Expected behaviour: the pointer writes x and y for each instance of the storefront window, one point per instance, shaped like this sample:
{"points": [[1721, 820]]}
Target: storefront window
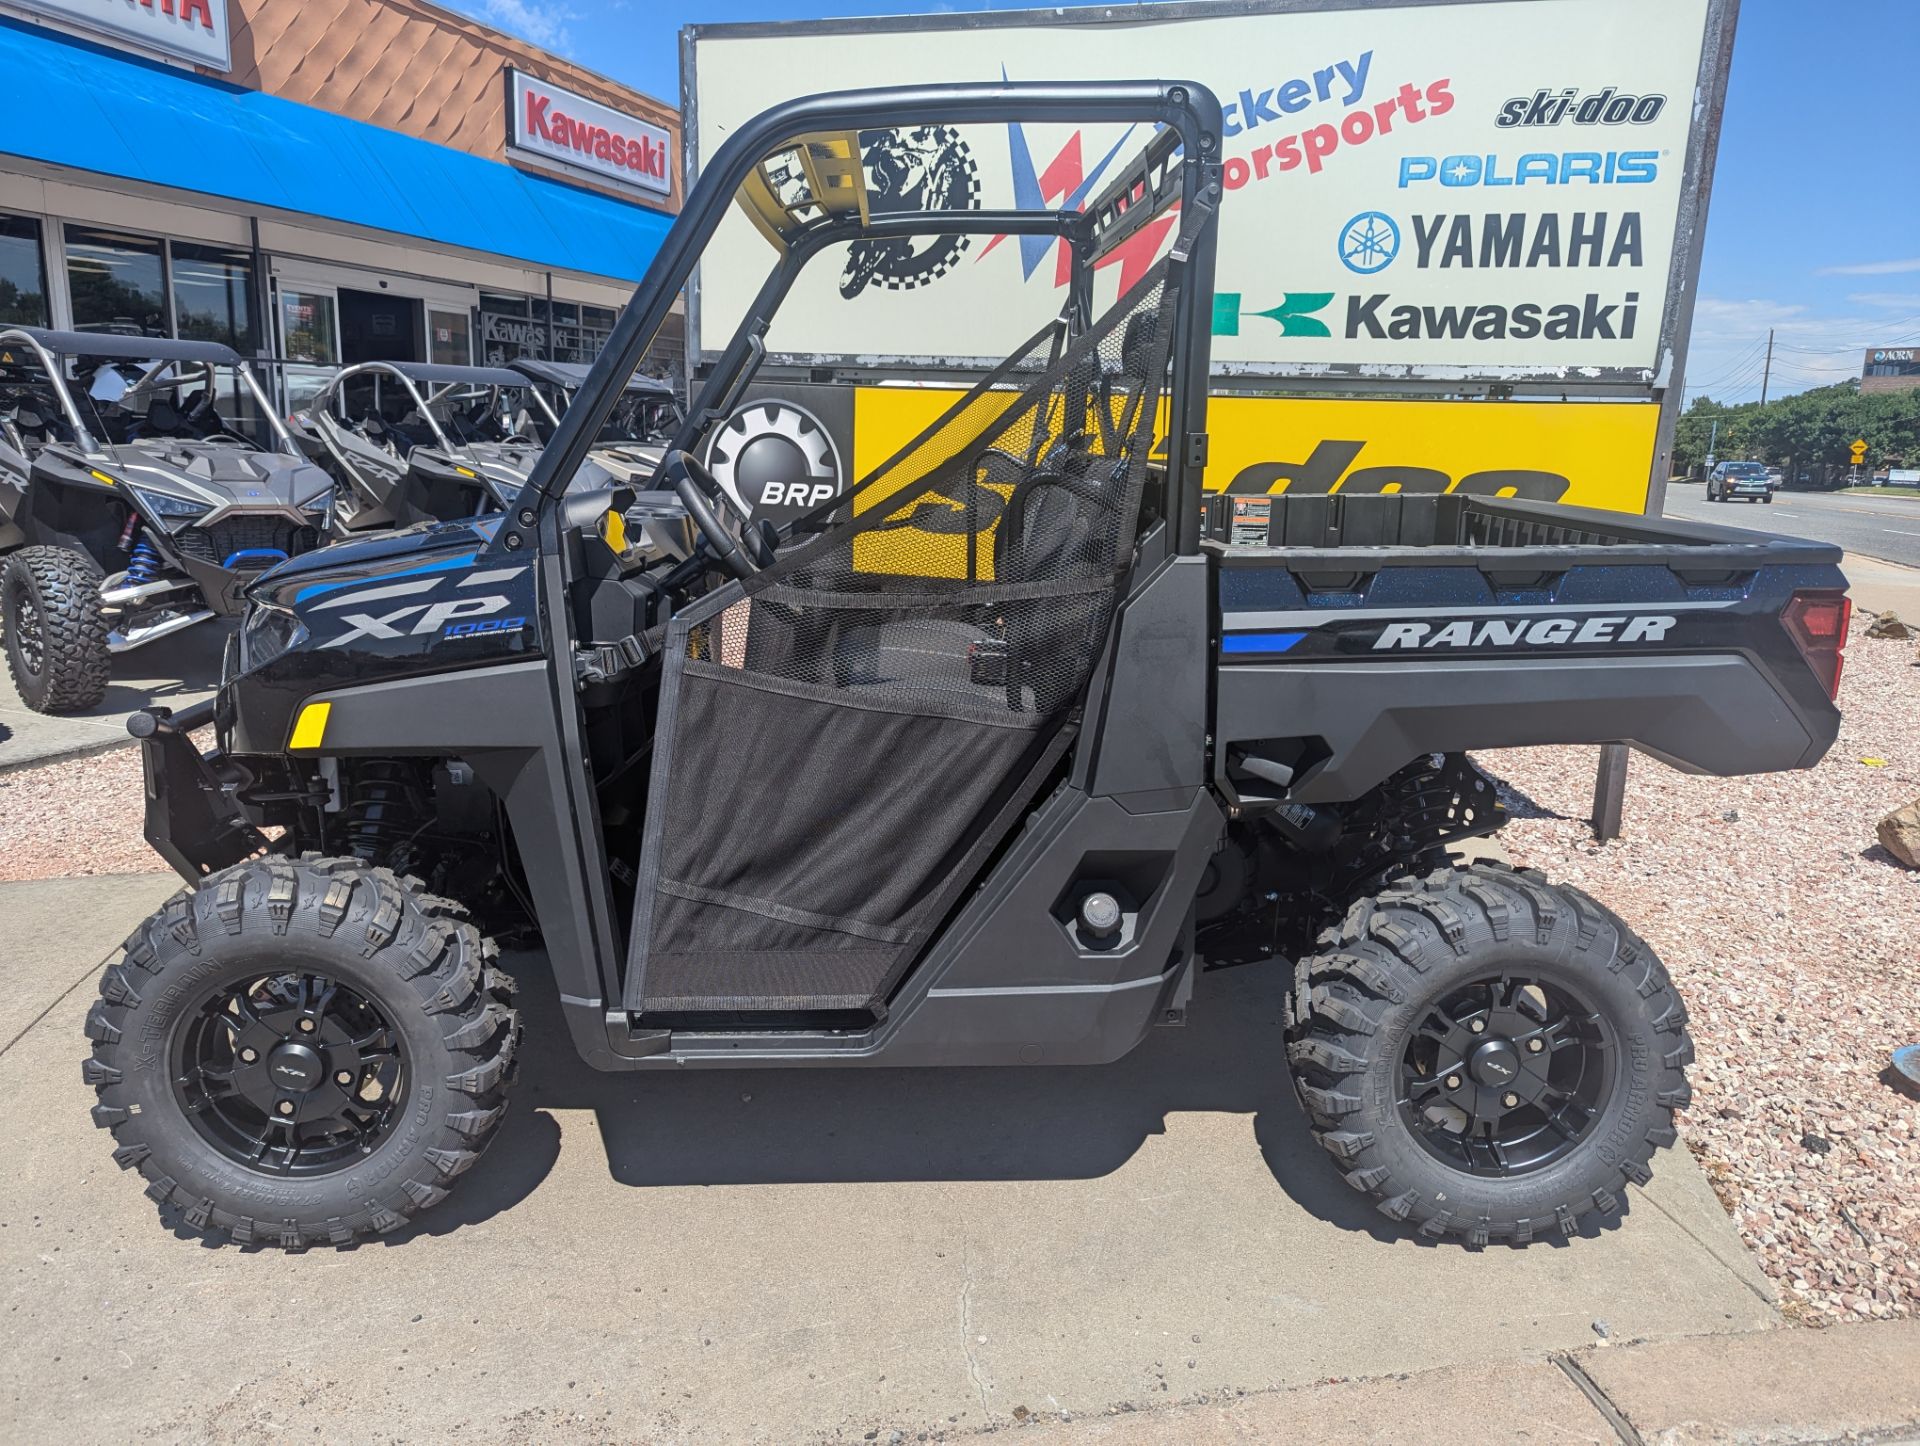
{"points": [[213, 296], [23, 273], [309, 328], [117, 282]]}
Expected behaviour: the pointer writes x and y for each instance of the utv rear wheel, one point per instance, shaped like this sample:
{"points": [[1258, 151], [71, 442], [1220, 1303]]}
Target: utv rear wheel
{"points": [[56, 636], [300, 1053], [1487, 1055]]}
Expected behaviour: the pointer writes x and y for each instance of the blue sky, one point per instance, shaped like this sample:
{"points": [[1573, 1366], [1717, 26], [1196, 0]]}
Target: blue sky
{"points": [[1814, 228]]}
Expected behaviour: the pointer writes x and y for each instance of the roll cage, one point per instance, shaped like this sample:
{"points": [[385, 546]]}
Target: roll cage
{"points": [[169, 359], [444, 386], [1179, 166]]}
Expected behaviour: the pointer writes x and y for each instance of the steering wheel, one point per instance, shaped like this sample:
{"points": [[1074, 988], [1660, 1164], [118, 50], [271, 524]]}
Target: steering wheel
{"points": [[741, 550]]}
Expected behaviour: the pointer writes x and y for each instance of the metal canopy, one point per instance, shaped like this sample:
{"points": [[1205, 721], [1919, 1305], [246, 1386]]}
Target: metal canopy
{"points": [[131, 348], [571, 374]]}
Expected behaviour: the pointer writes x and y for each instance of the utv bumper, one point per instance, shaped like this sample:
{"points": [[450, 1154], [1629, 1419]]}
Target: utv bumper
{"points": [[193, 821]]}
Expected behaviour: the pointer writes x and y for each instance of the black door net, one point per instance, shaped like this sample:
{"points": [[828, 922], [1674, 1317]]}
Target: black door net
{"points": [[839, 733]]}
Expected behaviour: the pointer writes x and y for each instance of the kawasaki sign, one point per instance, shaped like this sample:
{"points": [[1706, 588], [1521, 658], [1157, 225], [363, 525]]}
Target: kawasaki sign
{"points": [[548, 123]]}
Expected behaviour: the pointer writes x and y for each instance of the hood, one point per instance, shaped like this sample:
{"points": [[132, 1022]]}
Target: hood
{"points": [[225, 477], [377, 553]]}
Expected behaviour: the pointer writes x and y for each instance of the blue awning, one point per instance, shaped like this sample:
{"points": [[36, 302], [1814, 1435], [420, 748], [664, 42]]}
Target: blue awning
{"points": [[69, 103]]}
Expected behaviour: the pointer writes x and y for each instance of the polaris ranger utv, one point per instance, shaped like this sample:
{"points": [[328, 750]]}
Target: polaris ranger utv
{"points": [[461, 447], [140, 504], [985, 764]]}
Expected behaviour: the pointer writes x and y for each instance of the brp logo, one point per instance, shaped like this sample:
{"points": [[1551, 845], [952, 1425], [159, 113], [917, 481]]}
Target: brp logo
{"points": [[1369, 242], [777, 460]]}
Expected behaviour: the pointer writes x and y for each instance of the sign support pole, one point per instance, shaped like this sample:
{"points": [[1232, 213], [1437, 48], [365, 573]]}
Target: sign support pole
{"points": [[1610, 792]]}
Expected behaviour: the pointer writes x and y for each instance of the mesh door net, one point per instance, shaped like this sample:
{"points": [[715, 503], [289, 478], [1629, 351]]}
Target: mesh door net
{"points": [[837, 732]]}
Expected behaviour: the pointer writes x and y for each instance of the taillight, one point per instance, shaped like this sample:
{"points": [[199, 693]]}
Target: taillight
{"points": [[1817, 623]]}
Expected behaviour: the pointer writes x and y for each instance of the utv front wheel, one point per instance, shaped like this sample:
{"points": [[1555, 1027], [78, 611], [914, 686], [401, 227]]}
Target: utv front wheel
{"points": [[299, 1053], [1488, 1055], [56, 636]]}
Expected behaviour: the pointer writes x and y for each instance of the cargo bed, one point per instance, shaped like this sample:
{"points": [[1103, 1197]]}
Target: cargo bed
{"points": [[1357, 632]]}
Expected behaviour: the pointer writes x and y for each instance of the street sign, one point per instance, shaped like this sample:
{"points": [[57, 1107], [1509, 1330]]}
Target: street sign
{"points": [[1859, 452]]}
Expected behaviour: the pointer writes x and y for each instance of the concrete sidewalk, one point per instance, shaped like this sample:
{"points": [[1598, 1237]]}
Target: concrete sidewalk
{"points": [[1852, 1383], [784, 1256], [1882, 587], [177, 671]]}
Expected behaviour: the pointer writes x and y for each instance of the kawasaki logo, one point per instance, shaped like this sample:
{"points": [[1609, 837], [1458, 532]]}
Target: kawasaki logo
{"points": [[1372, 318], [1533, 632], [1590, 321], [1294, 313]]}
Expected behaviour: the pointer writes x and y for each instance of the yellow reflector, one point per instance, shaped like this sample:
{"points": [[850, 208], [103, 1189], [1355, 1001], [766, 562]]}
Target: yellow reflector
{"points": [[100, 476], [466, 471], [312, 726], [613, 530]]}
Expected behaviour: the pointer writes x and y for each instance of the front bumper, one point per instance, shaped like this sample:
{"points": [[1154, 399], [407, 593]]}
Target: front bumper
{"points": [[193, 820]]}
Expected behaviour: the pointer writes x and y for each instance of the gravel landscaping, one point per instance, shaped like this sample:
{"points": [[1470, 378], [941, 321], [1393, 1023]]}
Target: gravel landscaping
{"points": [[1794, 937]]}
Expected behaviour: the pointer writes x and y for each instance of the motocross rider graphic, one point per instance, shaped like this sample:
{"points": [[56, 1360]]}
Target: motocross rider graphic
{"points": [[928, 168]]}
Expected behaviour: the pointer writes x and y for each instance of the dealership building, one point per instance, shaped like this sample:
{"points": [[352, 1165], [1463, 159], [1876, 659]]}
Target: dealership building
{"points": [[1890, 369], [323, 181]]}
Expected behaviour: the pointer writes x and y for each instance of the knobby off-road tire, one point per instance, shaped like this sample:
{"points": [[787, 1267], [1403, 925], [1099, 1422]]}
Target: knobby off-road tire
{"points": [[233, 947], [1363, 1023], [56, 635]]}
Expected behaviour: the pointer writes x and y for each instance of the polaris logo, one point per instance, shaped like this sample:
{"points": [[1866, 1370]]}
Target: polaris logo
{"points": [[1530, 632]]}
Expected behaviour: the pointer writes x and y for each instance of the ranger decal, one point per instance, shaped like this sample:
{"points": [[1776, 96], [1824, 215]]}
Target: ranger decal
{"points": [[1534, 632]]}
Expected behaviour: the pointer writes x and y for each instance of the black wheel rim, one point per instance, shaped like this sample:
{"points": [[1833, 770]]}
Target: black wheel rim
{"points": [[26, 630], [1506, 1075], [291, 1074]]}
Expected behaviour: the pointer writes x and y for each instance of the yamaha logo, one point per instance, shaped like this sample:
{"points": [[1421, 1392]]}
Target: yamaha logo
{"points": [[777, 460]]}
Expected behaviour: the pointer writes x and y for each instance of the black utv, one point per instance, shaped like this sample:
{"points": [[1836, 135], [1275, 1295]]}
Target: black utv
{"points": [[412, 442], [988, 761], [144, 482]]}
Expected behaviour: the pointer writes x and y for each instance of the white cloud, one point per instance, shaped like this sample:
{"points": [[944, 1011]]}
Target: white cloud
{"points": [[1872, 268], [1727, 356], [544, 25], [1891, 300]]}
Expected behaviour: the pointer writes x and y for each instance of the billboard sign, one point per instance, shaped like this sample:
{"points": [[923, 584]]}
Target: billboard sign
{"points": [[1479, 190]]}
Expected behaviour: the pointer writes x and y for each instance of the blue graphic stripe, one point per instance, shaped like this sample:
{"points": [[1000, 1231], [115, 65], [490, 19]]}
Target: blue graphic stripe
{"points": [[444, 565], [1259, 642]]}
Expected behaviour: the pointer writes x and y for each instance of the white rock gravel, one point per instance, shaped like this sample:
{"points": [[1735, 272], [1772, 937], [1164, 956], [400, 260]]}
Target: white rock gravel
{"points": [[80, 816], [1795, 940]]}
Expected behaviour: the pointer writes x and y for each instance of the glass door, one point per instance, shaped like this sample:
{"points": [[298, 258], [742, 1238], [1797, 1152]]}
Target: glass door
{"points": [[449, 337]]}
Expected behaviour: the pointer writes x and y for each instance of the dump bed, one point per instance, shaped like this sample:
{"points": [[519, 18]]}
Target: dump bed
{"points": [[1356, 633]]}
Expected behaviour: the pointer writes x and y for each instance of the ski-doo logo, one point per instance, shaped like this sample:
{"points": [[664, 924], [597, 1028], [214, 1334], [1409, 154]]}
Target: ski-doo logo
{"points": [[928, 168], [1607, 107], [1527, 632]]}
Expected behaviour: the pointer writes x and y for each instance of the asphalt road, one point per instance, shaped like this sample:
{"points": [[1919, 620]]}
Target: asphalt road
{"points": [[1887, 528]]}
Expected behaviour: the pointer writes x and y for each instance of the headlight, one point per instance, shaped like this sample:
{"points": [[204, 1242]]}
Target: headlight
{"points": [[162, 504], [267, 633]]}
